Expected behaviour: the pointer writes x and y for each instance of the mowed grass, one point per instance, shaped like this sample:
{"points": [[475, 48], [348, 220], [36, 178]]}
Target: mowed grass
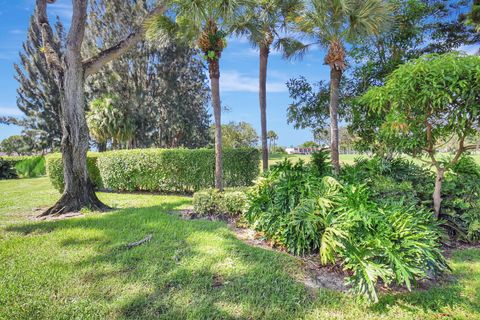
{"points": [[79, 268]]}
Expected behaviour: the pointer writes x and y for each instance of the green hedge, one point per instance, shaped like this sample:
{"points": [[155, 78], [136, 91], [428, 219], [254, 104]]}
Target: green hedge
{"points": [[211, 201], [165, 170], [54, 168], [26, 166]]}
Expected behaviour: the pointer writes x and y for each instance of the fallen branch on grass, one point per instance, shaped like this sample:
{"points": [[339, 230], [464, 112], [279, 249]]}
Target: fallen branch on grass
{"points": [[139, 242]]}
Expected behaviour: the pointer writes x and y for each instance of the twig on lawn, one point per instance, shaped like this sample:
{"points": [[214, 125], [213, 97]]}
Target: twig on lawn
{"points": [[139, 242]]}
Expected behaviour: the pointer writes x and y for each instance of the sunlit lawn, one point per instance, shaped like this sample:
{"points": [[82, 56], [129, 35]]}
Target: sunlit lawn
{"points": [[80, 269]]}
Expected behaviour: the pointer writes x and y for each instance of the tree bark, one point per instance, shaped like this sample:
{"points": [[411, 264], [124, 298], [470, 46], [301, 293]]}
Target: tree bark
{"points": [[70, 72], [335, 77], [214, 70], [262, 94], [78, 192], [437, 194]]}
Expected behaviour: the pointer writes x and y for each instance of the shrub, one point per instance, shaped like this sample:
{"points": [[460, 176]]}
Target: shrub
{"points": [[6, 170], [392, 179], [31, 167], [373, 241], [54, 168], [461, 200], [175, 170], [211, 201], [165, 170]]}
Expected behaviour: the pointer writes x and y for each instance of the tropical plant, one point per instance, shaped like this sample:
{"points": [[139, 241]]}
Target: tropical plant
{"points": [[461, 204], [265, 24], [305, 212], [332, 24], [272, 137], [108, 122], [205, 24], [423, 108]]}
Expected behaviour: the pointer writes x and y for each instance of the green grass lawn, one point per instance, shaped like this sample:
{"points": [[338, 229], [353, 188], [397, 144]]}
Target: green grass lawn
{"points": [[79, 268]]}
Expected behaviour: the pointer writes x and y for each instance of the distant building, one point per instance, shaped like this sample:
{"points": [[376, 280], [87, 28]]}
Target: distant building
{"points": [[302, 150]]}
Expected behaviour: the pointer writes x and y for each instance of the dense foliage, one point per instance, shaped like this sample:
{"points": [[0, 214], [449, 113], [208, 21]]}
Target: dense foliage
{"points": [[166, 170], [31, 167], [400, 181], [166, 96], [230, 202], [237, 135], [302, 209], [461, 200], [23, 166], [420, 108], [54, 168], [6, 170]]}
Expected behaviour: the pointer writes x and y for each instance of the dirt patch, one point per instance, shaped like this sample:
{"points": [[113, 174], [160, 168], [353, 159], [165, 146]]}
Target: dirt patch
{"points": [[58, 217]]}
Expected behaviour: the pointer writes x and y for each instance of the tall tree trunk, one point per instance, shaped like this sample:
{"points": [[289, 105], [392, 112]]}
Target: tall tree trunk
{"points": [[262, 94], [437, 194], [214, 70], [335, 77], [78, 192]]}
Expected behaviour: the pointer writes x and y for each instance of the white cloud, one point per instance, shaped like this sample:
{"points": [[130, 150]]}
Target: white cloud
{"points": [[470, 49], [233, 81], [9, 111]]}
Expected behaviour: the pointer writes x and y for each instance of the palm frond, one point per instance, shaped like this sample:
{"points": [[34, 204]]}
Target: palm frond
{"points": [[291, 48]]}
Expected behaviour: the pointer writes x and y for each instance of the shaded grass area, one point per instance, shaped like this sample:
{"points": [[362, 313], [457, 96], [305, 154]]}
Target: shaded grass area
{"points": [[80, 268]]}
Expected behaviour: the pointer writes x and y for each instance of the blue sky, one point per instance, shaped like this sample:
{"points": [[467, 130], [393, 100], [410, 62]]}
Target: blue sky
{"points": [[239, 74]]}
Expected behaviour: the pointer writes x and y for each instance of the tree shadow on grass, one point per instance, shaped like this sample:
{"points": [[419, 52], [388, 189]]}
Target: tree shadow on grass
{"points": [[198, 269]]}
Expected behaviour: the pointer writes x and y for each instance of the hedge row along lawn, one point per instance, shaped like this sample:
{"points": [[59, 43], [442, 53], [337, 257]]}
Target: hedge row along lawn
{"points": [[165, 170], [79, 268]]}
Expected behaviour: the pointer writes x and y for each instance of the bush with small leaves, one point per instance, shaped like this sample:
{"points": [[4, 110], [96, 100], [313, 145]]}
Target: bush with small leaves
{"points": [[230, 202]]}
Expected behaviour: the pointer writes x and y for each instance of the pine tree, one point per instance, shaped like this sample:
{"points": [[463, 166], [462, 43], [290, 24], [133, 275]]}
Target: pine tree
{"points": [[38, 94], [161, 86]]}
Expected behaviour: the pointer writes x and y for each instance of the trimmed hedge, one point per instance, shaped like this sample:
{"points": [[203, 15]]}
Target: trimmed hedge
{"points": [[54, 168], [211, 201], [164, 170]]}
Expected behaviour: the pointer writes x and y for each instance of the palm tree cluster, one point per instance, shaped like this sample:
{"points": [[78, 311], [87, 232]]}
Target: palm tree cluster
{"points": [[273, 24]]}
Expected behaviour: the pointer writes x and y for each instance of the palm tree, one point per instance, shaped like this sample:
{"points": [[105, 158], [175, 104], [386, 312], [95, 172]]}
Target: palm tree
{"points": [[264, 24], [272, 136], [204, 22], [332, 23], [106, 121]]}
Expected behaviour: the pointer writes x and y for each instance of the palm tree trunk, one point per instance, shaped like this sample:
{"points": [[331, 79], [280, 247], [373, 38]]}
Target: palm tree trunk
{"points": [[262, 94], [214, 70], [335, 77]]}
